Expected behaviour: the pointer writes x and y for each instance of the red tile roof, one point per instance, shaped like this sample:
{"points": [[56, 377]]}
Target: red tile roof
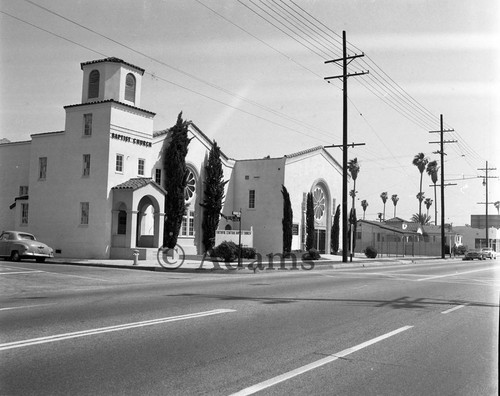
{"points": [[112, 60], [136, 183]]}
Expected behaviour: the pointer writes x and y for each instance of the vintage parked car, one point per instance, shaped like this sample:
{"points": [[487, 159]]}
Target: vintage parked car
{"points": [[474, 254], [17, 245], [489, 253]]}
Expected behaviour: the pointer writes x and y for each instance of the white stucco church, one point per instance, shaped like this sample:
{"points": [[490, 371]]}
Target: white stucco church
{"points": [[94, 190]]}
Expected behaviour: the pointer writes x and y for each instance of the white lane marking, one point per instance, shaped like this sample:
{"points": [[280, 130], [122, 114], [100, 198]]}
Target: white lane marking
{"points": [[23, 307], [308, 367], [20, 272], [454, 309], [455, 274], [50, 273], [77, 276], [84, 333]]}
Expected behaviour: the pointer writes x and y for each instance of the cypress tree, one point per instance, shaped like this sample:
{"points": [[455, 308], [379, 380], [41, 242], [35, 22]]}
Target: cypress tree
{"points": [[310, 222], [213, 196], [334, 241], [176, 172], [287, 221]]}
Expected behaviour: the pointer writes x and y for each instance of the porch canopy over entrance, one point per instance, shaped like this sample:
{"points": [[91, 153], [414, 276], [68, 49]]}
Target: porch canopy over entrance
{"points": [[138, 216]]}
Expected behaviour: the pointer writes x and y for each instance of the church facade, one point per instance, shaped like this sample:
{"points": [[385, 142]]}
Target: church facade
{"points": [[95, 189]]}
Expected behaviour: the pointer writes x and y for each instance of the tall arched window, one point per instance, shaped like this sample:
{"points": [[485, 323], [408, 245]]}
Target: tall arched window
{"points": [[94, 84], [319, 203], [130, 88], [190, 189]]}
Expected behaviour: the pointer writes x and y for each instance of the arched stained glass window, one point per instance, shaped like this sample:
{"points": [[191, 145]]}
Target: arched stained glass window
{"points": [[130, 88], [94, 84]]}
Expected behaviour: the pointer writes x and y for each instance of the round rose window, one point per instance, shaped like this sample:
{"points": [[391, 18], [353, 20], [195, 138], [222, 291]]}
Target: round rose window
{"points": [[319, 203], [190, 186]]}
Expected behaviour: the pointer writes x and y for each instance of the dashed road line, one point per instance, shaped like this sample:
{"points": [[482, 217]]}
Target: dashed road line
{"points": [[454, 309], [311, 366], [20, 272], [454, 274], [23, 307]]}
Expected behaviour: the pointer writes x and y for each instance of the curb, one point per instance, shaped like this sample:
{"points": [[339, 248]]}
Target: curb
{"points": [[318, 265]]}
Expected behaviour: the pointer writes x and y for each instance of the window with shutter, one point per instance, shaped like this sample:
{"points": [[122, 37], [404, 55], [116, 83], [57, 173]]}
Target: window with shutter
{"points": [[94, 84]]}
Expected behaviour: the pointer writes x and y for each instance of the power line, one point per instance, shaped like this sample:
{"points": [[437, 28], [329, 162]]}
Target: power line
{"points": [[393, 87], [171, 82]]}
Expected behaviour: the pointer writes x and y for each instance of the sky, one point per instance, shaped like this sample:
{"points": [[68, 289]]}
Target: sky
{"points": [[250, 74]]}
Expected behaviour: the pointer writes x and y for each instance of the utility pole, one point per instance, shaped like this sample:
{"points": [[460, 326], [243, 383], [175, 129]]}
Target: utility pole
{"points": [[485, 183], [344, 146], [441, 151]]}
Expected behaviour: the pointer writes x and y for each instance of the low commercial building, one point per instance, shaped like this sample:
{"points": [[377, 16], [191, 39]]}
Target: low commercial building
{"points": [[397, 237]]}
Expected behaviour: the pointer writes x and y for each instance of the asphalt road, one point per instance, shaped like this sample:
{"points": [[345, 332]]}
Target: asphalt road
{"points": [[416, 329]]}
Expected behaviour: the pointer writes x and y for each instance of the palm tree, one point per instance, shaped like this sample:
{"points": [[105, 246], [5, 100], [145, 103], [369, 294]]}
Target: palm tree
{"points": [[497, 206], [395, 200], [384, 200], [421, 219], [420, 197], [432, 171], [420, 162], [353, 167], [364, 205], [428, 204]]}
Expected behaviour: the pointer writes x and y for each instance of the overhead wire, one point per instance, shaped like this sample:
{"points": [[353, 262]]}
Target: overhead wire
{"points": [[373, 65], [190, 75], [381, 83], [166, 80]]}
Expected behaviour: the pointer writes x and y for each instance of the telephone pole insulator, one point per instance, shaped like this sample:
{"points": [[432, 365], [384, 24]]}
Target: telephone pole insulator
{"points": [[442, 153]]}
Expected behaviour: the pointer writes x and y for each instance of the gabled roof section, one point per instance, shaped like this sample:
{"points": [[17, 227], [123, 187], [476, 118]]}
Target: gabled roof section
{"points": [[319, 150], [136, 183], [307, 151], [112, 60], [197, 132]]}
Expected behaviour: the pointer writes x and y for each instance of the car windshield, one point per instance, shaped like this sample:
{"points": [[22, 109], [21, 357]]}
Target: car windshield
{"points": [[26, 236]]}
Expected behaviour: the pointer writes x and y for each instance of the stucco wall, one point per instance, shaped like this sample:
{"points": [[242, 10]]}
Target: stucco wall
{"points": [[302, 174], [265, 176]]}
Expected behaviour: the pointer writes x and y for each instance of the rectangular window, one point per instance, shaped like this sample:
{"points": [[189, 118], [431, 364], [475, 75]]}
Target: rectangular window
{"points": [[42, 168], [191, 223], [251, 199], [86, 165], [140, 167], [158, 176], [84, 213], [23, 190], [119, 162], [87, 127], [24, 213], [187, 226]]}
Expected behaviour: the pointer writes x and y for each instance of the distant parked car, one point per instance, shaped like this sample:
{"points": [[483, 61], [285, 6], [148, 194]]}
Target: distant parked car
{"points": [[17, 245], [474, 254], [489, 253]]}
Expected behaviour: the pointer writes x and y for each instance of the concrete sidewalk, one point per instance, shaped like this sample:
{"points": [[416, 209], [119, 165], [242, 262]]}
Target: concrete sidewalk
{"points": [[196, 264]]}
